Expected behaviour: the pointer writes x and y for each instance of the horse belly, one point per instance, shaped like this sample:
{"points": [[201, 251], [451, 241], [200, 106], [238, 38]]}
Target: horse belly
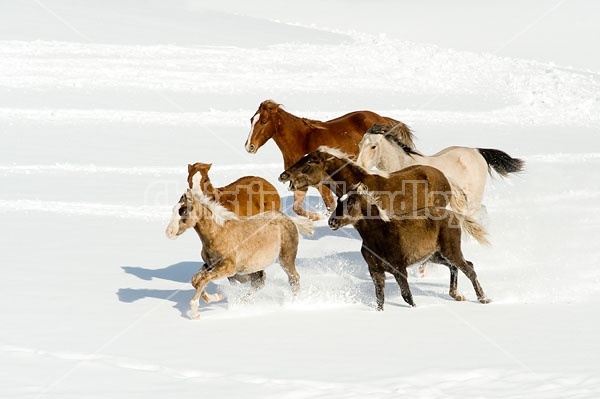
{"points": [[262, 255]]}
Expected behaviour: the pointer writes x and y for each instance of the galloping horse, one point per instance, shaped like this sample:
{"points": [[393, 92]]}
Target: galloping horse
{"points": [[392, 244], [247, 196], [467, 167], [402, 191], [231, 245], [297, 136]]}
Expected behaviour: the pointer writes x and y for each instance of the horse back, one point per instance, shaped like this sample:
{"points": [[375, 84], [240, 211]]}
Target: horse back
{"points": [[249, 195], [415, 187], [344, 132]]}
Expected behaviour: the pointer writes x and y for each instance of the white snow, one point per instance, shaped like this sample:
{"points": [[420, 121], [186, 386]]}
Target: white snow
{"points": [[103, 105]]}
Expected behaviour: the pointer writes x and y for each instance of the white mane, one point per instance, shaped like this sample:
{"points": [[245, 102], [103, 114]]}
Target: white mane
{"points": [[219, 213], [372, 199], [345, 157]]}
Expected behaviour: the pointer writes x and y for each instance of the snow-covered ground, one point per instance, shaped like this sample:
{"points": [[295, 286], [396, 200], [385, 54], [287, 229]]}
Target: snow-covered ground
{"points": [[103, 105]]}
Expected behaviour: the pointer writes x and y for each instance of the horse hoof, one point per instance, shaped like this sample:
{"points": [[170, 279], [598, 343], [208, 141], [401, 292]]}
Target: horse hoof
{"points": [[315, 217], [485, 300], [195, 316], [459, 297]]}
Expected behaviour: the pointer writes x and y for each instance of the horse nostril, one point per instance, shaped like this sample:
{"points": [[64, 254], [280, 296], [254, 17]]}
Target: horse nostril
{"points": [[284, 176], [251, 147]]}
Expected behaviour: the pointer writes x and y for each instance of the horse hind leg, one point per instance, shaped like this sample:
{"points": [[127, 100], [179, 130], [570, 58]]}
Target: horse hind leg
{"points": [[453, 292], [454, 256], [287, 260], [257, 282]]}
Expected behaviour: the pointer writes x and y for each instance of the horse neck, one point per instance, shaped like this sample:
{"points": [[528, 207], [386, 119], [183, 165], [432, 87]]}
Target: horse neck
{"points": [[344, 172], [393, 158], [206, 228], [289, 137], [207, 187]]}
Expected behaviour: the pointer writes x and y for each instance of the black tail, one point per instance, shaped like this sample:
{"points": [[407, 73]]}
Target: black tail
{"points": [[501, 161]]}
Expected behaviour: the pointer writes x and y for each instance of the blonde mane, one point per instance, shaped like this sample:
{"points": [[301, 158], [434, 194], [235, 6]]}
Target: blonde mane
{"points": [[219, 213], [345, 157], [372, 199]]}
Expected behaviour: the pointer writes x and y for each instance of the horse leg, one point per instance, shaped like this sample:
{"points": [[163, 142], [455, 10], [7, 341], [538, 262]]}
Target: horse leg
{"points": [[452, 253], [299, 197], [437, 258], [257, 281], [239, 278], [377, 275], [422, 267], [199, 282], [401, 279], [287, 260], [327, 196]]}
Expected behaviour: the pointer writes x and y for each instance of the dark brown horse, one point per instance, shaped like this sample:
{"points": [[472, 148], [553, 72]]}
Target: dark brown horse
{"points": [[297, 136], [411, 188], [392, 244]]}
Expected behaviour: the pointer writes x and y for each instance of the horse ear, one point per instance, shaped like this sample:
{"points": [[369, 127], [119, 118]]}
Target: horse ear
{"points": [[190, 167], [208, 165]]}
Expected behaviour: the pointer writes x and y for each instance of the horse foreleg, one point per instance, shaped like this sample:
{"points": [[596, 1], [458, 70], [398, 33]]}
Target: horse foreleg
{"points": [[327, 196], [401, 279], [299, 197], [199, 282]]}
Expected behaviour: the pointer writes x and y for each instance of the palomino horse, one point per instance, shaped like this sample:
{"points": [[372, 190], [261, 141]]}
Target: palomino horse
{"points": [[392, 244], [296, 137], [402, 191], [247, 196], [465, 166], [233, 246]]}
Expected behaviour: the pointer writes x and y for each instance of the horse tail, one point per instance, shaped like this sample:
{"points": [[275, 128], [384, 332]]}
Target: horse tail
{"points": [[502, 163], [304, 225], [473, 228], [458, 200]]}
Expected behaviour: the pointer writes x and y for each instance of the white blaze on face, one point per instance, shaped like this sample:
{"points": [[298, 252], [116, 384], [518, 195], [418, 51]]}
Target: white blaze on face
{"points": [[367, 155], [196, 183], [173, 226], [255, 119]]}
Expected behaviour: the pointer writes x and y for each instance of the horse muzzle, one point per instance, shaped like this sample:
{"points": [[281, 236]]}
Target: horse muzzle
{"points": [[333, 224], [284, 177]]}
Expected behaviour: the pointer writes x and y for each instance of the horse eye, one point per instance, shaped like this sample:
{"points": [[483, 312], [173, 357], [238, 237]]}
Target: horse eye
{"points": [[373, 147], [264, 121]]}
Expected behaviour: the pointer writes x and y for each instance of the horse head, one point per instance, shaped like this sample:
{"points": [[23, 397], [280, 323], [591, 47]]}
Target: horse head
{"points": [[183, 215], [356, 204], [369, 150], [263, 125], [308, 171], [198, 175]]}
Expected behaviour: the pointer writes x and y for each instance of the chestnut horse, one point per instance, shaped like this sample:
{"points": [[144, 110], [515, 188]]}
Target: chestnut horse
{"points": [[247, 196], [297, 136], [392, 244], [231, 245]]}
